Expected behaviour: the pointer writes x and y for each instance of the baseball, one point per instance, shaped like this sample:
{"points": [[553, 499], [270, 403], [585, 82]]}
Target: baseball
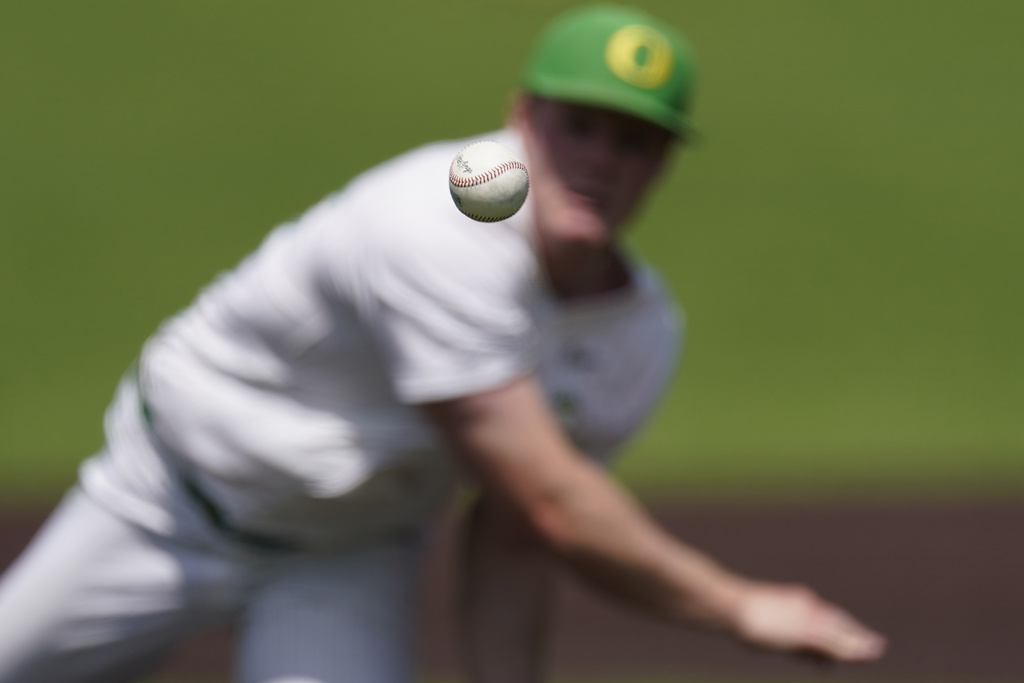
{"points": [[488, 182]]}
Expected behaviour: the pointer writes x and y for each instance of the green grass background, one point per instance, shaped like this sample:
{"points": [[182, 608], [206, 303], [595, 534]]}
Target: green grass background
{"points": [[846, 238]]}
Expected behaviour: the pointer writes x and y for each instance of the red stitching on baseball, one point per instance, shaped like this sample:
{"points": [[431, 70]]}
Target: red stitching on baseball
{"points": [[479, 178], [487, 219]]}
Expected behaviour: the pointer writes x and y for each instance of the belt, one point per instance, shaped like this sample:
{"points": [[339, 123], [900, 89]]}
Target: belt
{"points": [[215, 515], [209, 508]]}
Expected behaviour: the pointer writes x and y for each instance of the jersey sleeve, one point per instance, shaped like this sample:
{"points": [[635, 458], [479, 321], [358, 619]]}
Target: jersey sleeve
{"points": [[452, 309]]}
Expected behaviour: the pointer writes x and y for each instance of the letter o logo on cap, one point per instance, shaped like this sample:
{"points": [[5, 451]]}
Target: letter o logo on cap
{"points": [[640, 56]]}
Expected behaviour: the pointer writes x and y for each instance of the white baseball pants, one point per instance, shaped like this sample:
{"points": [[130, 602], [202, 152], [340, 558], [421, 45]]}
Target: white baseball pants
{"points": [[97, 599]]}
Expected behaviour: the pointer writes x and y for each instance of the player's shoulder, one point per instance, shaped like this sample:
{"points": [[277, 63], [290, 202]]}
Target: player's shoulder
{"points": [[420, 172], [411, 187], [399, 217], [646, 294], [407, 202], [656, 302], [643, 323], [650, 286], [644, 313]]}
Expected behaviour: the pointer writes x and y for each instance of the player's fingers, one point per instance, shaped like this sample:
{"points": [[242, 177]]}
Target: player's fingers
{"points": [[794, 618], [844, 638]]}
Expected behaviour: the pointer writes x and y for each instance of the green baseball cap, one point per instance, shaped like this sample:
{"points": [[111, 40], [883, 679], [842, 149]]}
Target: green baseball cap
{"points": [[619, 58]]}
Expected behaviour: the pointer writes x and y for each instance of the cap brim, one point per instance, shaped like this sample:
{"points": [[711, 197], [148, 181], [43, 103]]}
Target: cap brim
{"points": [[615, 99]]}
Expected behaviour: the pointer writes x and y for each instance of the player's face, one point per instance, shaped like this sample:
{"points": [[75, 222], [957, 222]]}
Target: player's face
{"points": [[594, 165]]}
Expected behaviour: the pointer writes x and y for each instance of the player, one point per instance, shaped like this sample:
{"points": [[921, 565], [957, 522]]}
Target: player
{"points": [[273, 457]]}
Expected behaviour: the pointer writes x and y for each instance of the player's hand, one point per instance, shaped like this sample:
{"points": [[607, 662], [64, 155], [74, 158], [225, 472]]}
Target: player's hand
{"points": [[792, 618]]}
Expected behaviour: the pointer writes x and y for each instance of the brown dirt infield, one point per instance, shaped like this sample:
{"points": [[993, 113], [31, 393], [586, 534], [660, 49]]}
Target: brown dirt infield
{"points": [[944, 582]]}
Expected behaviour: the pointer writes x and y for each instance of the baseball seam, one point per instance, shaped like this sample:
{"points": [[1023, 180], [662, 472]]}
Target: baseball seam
{"points": [[491, 174], [486, 219]]}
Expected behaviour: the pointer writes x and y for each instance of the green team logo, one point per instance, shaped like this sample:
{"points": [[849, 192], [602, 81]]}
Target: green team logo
{"points": [[640, 56]]}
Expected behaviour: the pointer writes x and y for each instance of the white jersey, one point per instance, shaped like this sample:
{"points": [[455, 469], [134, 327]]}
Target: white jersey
{"points": [[288, 388]]}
